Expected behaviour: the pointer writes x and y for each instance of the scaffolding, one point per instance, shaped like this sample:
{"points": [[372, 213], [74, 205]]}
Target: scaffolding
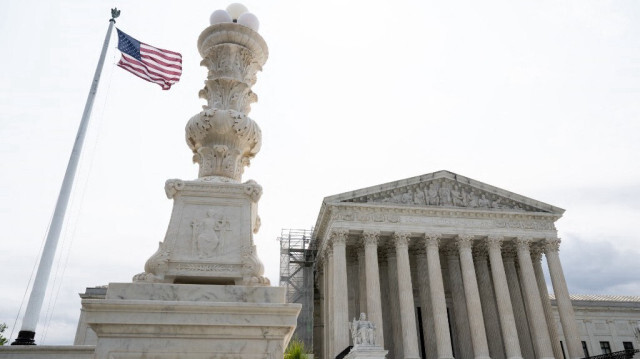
{"points": [[297, 256]]}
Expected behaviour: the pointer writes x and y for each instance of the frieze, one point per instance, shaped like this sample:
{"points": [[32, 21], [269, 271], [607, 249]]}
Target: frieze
{"points": [[538, 225]]}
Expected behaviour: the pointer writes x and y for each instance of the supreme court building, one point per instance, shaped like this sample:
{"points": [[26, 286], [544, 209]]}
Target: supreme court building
{"points": [[444, 266]]}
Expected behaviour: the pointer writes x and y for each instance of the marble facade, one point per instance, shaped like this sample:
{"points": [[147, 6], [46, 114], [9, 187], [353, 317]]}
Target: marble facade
{"points": [[445, 266]]}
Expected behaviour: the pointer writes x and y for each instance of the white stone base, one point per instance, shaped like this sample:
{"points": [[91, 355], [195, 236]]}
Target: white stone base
{"points": [[367, 353], [47, 351], [170, 321]]}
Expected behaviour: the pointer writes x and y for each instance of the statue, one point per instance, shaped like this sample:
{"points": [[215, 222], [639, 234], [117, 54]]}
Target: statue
{"points": [[363, 332]]}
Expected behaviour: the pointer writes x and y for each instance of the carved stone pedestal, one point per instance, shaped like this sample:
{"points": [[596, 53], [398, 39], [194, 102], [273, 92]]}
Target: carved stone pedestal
{"points": [[210, 235], [171, 321]]}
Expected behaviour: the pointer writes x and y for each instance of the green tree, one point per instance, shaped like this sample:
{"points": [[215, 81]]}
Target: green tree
{"points": [[295, 350], [3, 340]]}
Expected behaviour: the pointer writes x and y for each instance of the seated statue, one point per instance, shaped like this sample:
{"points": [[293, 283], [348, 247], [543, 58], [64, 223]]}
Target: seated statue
{"points": [[363, 332]]}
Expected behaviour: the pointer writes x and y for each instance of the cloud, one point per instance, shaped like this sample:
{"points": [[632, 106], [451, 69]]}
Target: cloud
{"points": [[600, 267]]}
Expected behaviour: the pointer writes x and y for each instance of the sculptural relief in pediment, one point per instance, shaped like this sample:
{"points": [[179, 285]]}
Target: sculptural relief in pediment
{"points": [[445, 193]]}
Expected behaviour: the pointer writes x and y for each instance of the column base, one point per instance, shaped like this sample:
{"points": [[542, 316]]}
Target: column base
{"points": [[25, 337], [486, 357]]}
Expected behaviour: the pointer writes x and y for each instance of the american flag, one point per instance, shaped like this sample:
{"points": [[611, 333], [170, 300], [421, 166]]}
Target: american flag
{"points": [[159, 66]]}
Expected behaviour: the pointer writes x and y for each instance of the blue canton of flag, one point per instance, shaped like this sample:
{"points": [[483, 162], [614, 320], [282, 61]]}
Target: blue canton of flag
{"points": [[152, 64]]}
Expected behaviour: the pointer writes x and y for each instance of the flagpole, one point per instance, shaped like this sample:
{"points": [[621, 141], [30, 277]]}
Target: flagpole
{"points": [[27, 333]]}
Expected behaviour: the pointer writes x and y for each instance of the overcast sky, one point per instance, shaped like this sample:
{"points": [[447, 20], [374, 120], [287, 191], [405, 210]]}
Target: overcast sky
{"points": [[541, 98]]}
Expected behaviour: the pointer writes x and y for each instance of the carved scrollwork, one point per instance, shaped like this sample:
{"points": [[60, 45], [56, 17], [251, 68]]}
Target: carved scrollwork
{"points": [[552, 245], [465, 242], [401, 239], [339, 236], [253, 190], [223, 142], [523, 244], [222, 137], [494, 242], [172, 186], [156, 266], [432, 240], [370, 238]]}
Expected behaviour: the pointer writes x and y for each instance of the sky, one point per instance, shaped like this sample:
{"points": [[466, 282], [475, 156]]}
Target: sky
{"points": [[541, 98]]}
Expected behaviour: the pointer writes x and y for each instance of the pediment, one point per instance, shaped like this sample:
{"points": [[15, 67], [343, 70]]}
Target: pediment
{"points": [[444, 189]]}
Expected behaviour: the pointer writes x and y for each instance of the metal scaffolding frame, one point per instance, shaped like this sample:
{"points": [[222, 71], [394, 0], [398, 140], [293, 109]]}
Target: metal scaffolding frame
{"points": [[297, 256]]}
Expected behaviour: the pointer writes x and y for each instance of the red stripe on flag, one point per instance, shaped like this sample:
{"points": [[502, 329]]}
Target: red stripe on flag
{"points": [[139, 69]]}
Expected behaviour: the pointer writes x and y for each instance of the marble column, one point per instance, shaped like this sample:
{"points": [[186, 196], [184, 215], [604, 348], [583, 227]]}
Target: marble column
{"points": [[472, 296], [519, 312], [320, 333], [386, 306], [330, 302], [340, 307], [353, 280], [536, 256], [488, 301], [394, 301], [374, 307], [405, 291], [362, 284], [460, 315], [537, 321], [438, 302], [505, 309], [428, 324], [565, 308]]}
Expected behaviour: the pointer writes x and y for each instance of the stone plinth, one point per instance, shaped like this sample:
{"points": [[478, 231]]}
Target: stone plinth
{"points": [[158, 320], [47, 352], [367, 353], [210, 235]]}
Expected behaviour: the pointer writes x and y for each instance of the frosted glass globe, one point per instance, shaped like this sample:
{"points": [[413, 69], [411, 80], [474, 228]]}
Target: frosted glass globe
{"points": [[236, 9], [249, 20], [219, 16]]}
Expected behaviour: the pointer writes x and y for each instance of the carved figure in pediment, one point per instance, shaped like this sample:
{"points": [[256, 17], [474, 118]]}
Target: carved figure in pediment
{"points": [[483, 202], [432, 195], [206, 234], [445, 194], [458, 197], [497, 204], [472, 199], [418, 197], [406, 198]]}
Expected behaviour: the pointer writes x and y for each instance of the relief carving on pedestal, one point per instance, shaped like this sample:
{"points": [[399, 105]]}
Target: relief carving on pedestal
{"points": [[208, 235]]}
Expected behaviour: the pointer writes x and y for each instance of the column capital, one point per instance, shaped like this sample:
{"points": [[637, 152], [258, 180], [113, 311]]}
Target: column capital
{"points": [[370, 238], [536, 252], [464, 242], [401, 239], [339, 236], [523, 243], [552, 245], [494, 242], [432, 240]]}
